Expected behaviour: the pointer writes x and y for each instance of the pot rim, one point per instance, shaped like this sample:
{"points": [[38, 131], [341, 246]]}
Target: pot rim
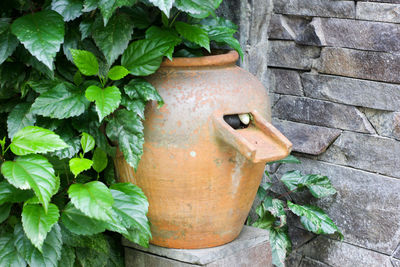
{"points": [[228, 58]]}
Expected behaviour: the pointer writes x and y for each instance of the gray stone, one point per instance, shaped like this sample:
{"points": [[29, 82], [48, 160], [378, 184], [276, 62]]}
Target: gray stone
{"points": [[307, 262], [365, 208], [361, 151], [320, 8], [293, 260], [309, 139], [321, 113], [396, 254], [299, 237], [289, 55], [385, 12], [341, 254], [286, 27], [364, 35], [284, 82], [369, 65], [350, 91], [385, 123], [249, 239], [274, 98], [395, 263]]}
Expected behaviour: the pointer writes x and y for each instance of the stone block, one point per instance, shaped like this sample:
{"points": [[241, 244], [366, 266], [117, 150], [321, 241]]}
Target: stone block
{"points": [[396, 263], [366, 209], [385, 123], [350, 91], [361, 151], [307, 262], [364, 35], [309, 139], [287, 54], [250, 249], [378, 66], [312, 8], [283, 81], [385, 12], [293, 260], [396, 254], [286, 27], [321, 113], [341, 254]]}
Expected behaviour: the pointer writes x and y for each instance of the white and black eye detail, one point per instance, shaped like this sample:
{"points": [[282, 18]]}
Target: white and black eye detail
{"points": [[238, 121]]}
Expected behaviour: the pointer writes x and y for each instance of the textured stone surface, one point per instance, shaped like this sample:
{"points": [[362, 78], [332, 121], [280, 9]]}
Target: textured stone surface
{"points": [[396, 254], [370, 65], [385, 12], [323, 8], [293, 260], [350, 91], [322, 113], [364, 35], [385, 123], [309, 139], [286, 27], [289, 55], [395, 263], [299, 237], [341, 254], [361, 151], [365, 208], [307, 262], [285, 82], [250, 237]]}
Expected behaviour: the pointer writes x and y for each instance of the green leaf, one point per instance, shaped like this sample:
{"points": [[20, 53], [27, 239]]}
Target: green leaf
{"points": [[136, 106], [69, 9], [107, 100], [265, 220], [314, 219], [32, 172], [198, 8], [96, 242], [94, 199], [288, 159], [19, 118], [85, 61], [51, 247], [277, 208], [262, 190], [87, 142], [9, 256], [164, 5], [193, 34], [292, 179], [117, 73], [86, 28], [224, 35], [68, 135], [5, 212], [319, 186], [114, 38], [78, 79], [33, 139], [91, 258], [218, 22], [78, 165], [99, 159], [10, 194], [78, 223], [67, 257], [63, 101], [107, 7], [280, 245], [90, 5], [42, 33], [144, 57], [144, 90], [44, 85], [8, 43], [166, 34], [37, 222], [127, 129]]}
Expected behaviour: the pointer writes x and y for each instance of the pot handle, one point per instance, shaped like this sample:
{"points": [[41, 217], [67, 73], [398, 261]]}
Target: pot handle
{"points": [[259, 142]]}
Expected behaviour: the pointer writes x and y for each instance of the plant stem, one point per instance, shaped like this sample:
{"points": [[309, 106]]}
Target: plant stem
{"points": [[173, 20], [287, 193]]}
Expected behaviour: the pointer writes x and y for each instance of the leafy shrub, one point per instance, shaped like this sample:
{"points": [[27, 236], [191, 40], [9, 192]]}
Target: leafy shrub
{"points": [[70, 90]]}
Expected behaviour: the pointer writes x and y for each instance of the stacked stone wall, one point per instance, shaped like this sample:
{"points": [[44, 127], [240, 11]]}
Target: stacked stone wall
{"points": [[334, 79]]}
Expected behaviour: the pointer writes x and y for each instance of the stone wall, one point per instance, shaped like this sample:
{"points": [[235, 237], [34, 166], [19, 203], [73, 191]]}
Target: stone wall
{"points": [[334, 80]]}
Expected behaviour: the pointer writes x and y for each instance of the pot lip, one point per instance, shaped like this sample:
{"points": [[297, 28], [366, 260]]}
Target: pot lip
{"points": [[228, 58]]}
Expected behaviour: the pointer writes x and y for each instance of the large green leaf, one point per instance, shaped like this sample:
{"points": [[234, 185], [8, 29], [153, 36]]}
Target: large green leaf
{"points": [[265, 219], [96, 242], [37, 222], [43, 85], [288, 159], [114, 38], [144, 57], [90, 5], [87, 142], [166, 34], [224, 35], [198, 8], [280, 245], [67, 257], [137, 106], [319, 185], [94, 199], [117, 73], [91, 258], [42, 33], [8, 43], [107, 7], [68, 135], [11, 194], [69, 9], [292, 179], [80, 224], [127, 129], [19, 118], [32, 172], [193, 33], [5, 211], [99, 159], [51, 247], [277, 208], [85, 61], [78, 165], [107, 100], [33, 139], [314, 219], [144, 90], [164, 5], [63, 101], [9, 256]]}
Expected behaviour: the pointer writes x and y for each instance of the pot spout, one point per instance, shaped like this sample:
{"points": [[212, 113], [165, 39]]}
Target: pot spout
{"points": [[259, 142]]}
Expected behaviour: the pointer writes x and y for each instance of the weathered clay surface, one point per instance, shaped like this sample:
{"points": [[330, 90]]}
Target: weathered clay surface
{"points": [[361, 151], [385, 12], [285, 82], [370, 65], [322, 113], [309, 139], [353, 92]]}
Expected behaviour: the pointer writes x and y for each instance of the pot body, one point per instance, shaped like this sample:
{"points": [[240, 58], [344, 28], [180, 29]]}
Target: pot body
{"points": [[200, 189]]}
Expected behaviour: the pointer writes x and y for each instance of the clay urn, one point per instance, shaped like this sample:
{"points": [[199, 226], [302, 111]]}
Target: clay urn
{"points": [[200, 174]]}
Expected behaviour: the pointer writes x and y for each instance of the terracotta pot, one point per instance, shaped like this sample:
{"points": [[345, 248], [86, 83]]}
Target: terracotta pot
{"points": [[199, 174]]}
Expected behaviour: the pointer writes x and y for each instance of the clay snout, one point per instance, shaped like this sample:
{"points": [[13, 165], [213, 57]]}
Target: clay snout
{"points": [[259, 141]]}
